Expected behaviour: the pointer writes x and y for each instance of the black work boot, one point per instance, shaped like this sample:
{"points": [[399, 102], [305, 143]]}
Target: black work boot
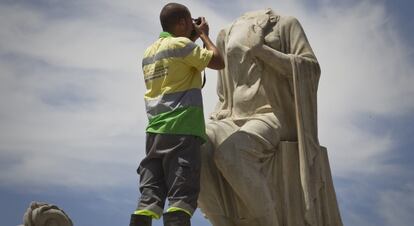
{"points": [[140, 220], [176, 218]]}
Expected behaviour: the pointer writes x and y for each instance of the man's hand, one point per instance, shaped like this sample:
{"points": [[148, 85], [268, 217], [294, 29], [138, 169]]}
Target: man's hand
{"points": [[200, 27], [203, 26]]}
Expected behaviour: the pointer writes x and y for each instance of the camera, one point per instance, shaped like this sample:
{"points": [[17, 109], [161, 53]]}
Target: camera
{"points": [[197, 21]]}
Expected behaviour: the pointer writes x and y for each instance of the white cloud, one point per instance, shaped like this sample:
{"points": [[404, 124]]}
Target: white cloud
{"points": [[71, 93], [365, 73], [396, 206], [84, 42], [68, 144]]}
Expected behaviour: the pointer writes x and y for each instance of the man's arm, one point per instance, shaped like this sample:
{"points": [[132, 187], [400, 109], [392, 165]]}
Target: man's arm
{"points": [[216, 62]]}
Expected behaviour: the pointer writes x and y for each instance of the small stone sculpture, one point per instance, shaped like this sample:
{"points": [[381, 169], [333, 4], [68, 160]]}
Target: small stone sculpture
{"points": [[43, 214]]}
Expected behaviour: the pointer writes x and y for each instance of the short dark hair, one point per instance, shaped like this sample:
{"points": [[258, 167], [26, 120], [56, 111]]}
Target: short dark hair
{"points": [[171, 14]]}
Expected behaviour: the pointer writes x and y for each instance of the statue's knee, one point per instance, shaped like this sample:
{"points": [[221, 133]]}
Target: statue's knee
{"points": [[227, 153]]}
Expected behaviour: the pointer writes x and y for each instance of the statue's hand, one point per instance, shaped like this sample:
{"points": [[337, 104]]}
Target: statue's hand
{"points": [[253, 43], [254, 40]]}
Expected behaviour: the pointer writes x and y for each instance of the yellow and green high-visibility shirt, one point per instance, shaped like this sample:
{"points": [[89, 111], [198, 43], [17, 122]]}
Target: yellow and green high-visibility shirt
{"points": [[172, 72]]}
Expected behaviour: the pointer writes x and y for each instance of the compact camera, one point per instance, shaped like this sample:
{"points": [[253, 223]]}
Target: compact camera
{"points": [[197, 21]]}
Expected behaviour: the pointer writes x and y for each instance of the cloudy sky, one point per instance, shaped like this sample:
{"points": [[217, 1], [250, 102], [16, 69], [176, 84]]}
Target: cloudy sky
{"points": [[72, 115]]}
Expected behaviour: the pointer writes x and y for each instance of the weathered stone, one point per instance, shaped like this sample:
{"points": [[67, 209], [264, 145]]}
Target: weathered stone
{"points": [[263, 165], [43, 214]]}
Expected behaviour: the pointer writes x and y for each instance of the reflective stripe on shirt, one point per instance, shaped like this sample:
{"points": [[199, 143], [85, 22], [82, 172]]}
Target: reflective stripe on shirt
{"points": [[173, 101], [181, 52]]}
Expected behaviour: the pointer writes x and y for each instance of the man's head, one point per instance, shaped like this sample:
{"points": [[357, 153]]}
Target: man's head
{"points": [[176, 19]]}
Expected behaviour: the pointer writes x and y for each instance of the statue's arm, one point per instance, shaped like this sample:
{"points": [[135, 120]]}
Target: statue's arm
{"points": [[222, 98], [294, 38], [277, 60]]}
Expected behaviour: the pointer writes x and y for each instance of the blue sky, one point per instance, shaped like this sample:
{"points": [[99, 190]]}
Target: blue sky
{"points": [[72, 114]]}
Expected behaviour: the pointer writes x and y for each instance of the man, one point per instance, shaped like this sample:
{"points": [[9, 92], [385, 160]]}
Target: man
{"points": [[172, 71]]}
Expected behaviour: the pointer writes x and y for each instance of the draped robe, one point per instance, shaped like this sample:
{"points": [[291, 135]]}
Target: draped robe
{"points": [[283, 104]]}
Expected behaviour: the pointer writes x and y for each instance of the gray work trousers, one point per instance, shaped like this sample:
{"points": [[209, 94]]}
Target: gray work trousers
{"points": [[170, 170]]}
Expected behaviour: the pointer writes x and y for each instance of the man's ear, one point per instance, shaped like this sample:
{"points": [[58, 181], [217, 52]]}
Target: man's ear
{"points": [[182, 22]]}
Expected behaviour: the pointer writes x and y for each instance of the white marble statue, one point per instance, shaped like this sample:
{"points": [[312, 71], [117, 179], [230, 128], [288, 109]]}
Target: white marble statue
{"points": [[263, 165]]}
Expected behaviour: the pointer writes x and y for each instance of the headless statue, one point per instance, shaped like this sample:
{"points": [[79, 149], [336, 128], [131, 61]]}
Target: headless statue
{"points": [[267, 96]]}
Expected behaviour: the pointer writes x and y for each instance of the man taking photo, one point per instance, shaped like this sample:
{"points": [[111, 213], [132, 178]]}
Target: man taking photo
{"points": [[172, 68]]}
